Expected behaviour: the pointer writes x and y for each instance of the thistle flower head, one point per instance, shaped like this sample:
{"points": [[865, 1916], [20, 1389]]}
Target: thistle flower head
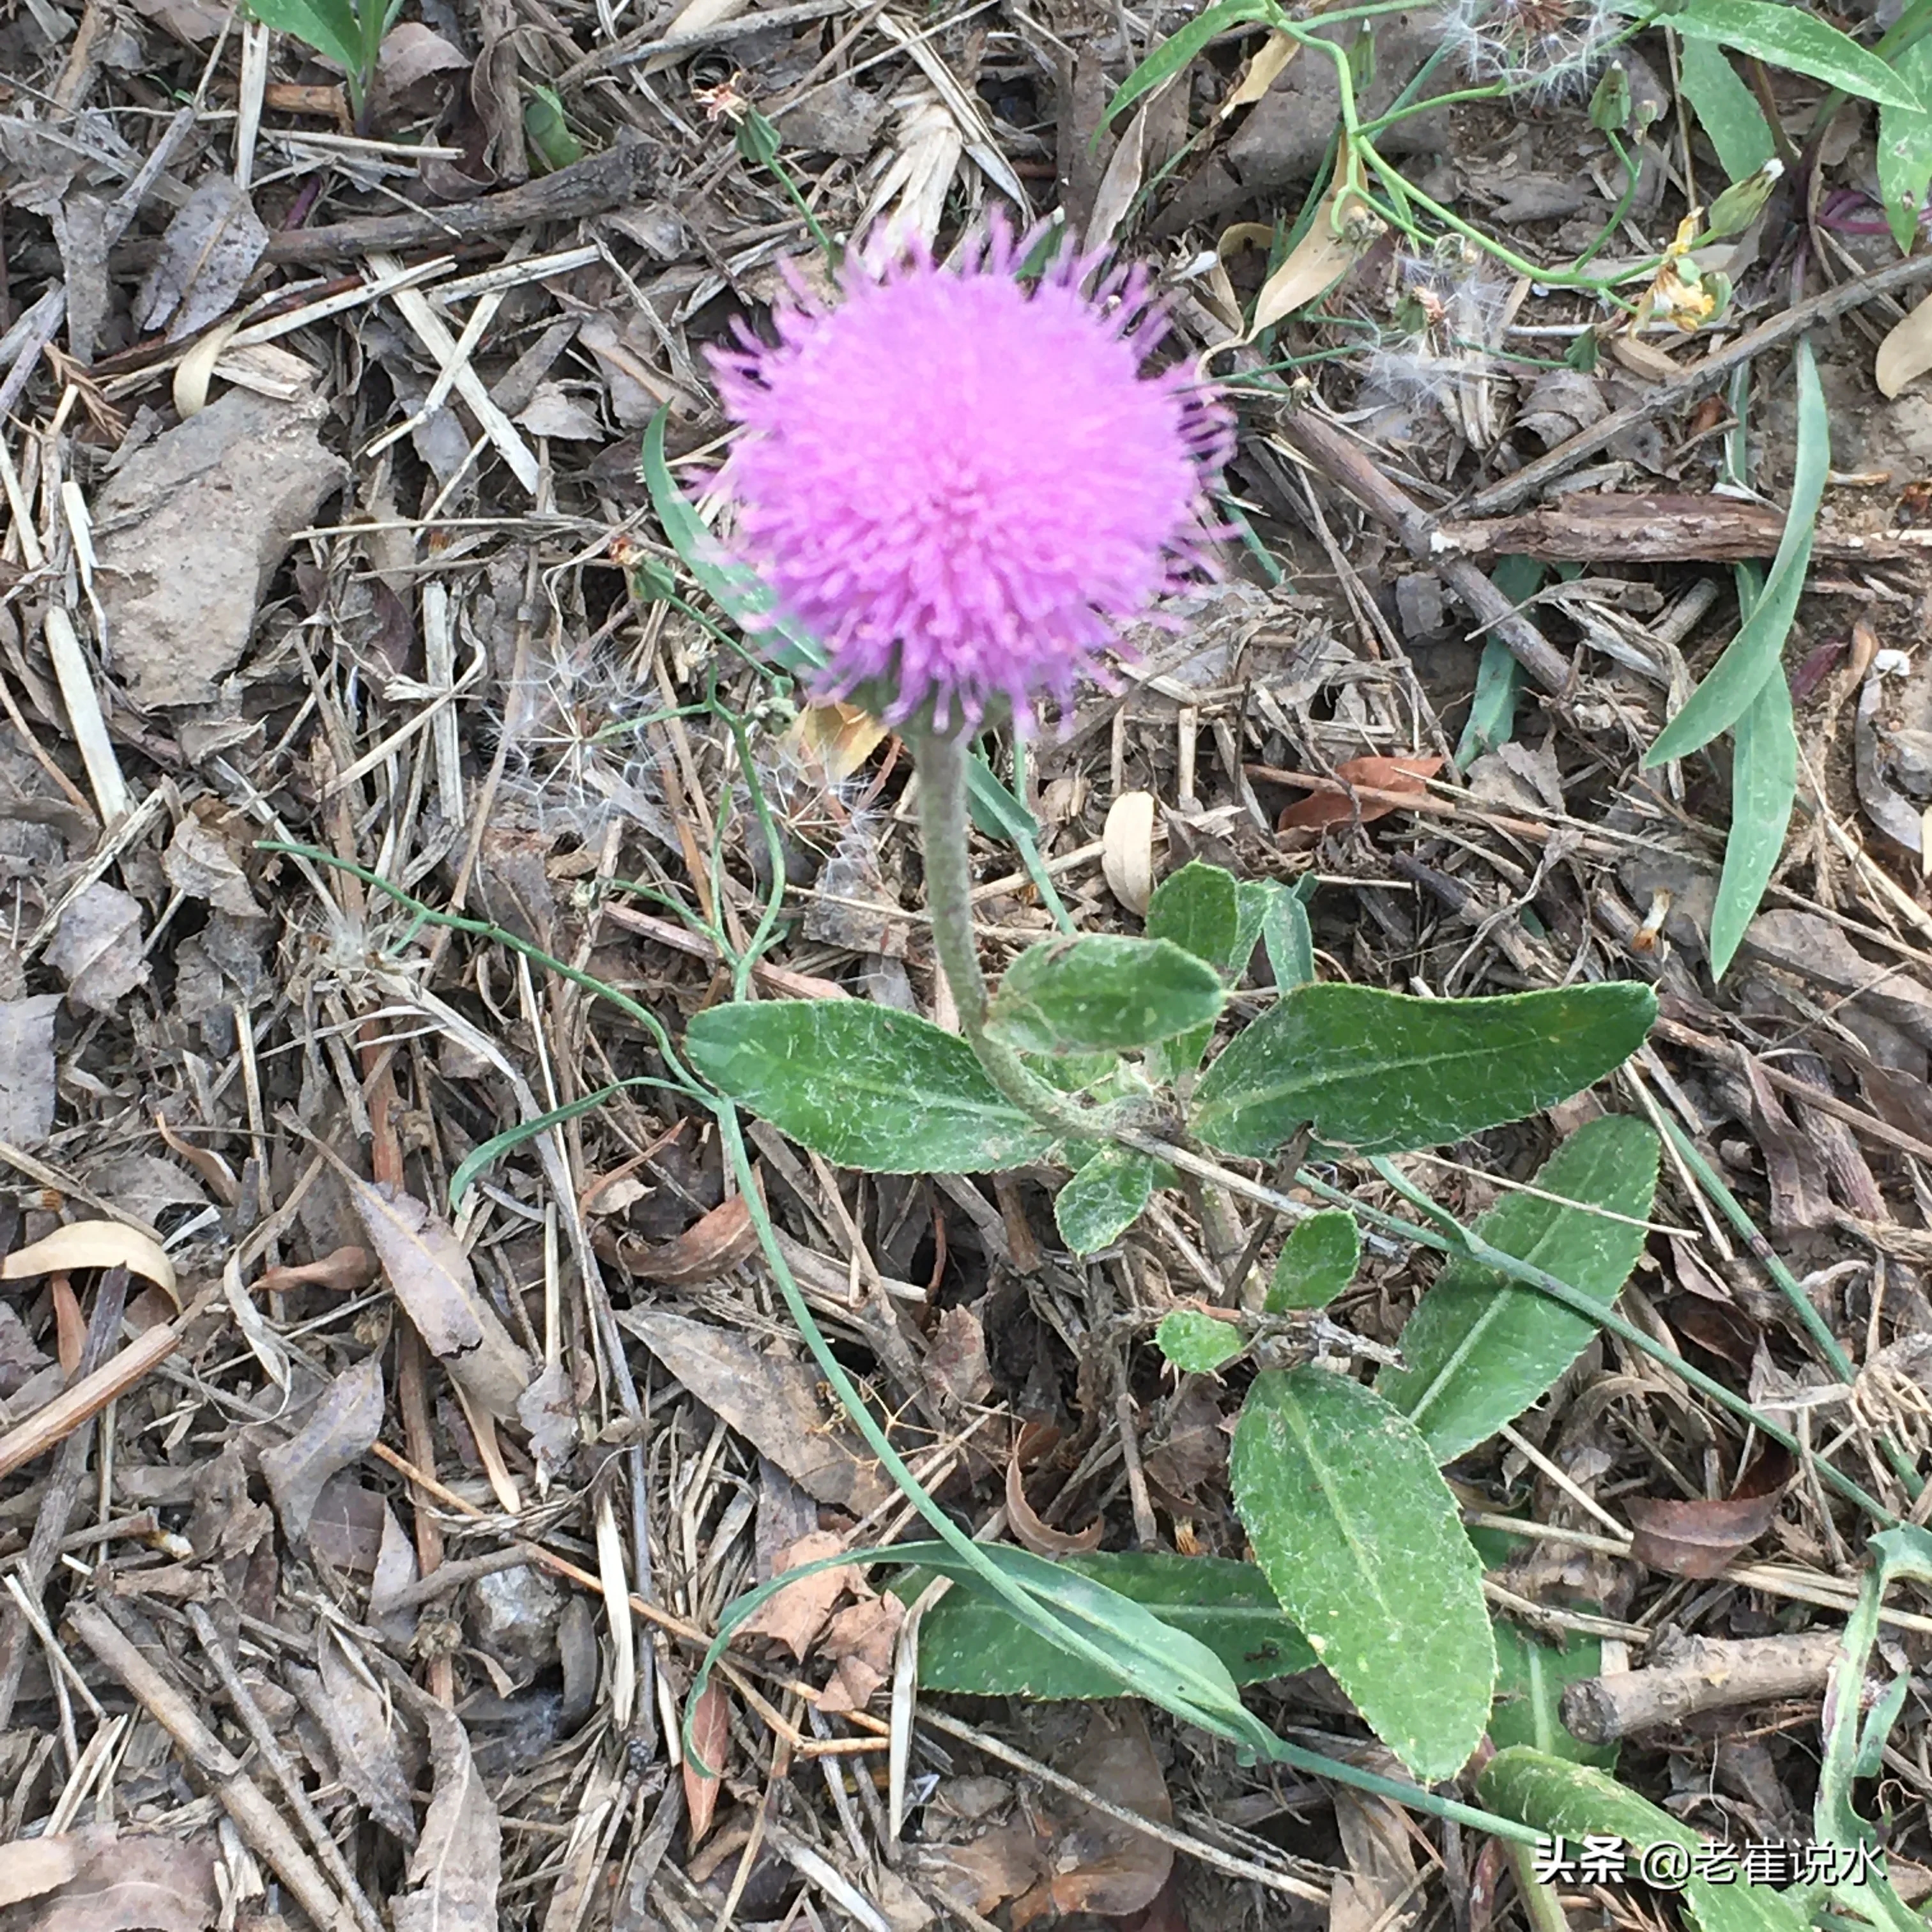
{"points": [[1548, 48], [963, 485]]}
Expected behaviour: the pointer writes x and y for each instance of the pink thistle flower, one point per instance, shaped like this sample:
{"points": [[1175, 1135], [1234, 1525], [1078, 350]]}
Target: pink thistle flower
{"points": [[964, 487]]}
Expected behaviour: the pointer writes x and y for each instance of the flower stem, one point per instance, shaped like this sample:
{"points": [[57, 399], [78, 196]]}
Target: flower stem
{"points": [[942, 765]]}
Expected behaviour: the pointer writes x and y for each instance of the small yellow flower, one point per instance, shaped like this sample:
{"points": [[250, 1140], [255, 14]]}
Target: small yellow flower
{"points": [[1677, 294]]}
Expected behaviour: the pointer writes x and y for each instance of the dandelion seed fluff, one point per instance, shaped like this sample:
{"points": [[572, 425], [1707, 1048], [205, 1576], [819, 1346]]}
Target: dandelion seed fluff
{"points": [[964, 486]]}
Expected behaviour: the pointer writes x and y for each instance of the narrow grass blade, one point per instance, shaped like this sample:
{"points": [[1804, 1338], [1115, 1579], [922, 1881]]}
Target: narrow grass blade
{"points": [[1752, 655], [1764, 784]]}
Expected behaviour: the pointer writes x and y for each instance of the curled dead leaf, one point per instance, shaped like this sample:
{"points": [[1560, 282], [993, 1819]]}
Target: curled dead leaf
{"points": [[796, 1615], [1324, 809], [710, 1738], [713, 1245], [1040, 1537], [1317, 261], [1905, 352], [1698, 1538], [1126, 849], [346, 1270], [93, 1244]]}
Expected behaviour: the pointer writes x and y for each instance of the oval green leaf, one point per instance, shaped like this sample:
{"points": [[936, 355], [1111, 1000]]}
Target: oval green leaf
{"points": [[1479, 1348], [1573, 1800], [1103, 1200], [1104, 991], [970, 1644], [1317, 1261], [884, 1092], [1197, 1344], [1361, 1539], [1788, 36], [1384, 1073]]}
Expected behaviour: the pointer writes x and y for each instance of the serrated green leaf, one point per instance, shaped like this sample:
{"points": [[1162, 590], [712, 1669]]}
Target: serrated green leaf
{"points": [[1573, 1800], [1790, 36], [1175, 52], [1360, 1537], [1102, 992], [1197, 1344], [1905, 149], [1385, 1073], [1104, 1199], [1764, 786], [1725, 109], [973, 1645], [884, 1092], [1531, 1679], [1316, 1262], [1479, 1349]]}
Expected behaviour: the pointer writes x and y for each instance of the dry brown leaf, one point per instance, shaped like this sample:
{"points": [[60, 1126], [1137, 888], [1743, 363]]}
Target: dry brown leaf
{"points": [[1038, 1537], [355, 1717], [771, 1400], [713, 1245], [31, 1866], [862, 1640], [840, 737], [710, 1738], [133, 1884], [339, 1430], [1322, 809], [459, 1858], [797, 1613], [93, 1244], [1126, 850], [346, 1269], [1698, 1538], [1099, 1865], [97, 949], [70, 1325], [1906, 351], [1315, 264], [956, 1368], [432, 1278], [1263, 71]]}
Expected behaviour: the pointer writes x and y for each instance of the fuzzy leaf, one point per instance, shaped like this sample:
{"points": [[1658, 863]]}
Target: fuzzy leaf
{"points": [[1103, 992], [1789, 36], [1197, 1344], [884, 1092], [1384, 1073], [1479, 1349], [1317, 1261], [1105, 1199], [1361, 1539], [1726, 108]]}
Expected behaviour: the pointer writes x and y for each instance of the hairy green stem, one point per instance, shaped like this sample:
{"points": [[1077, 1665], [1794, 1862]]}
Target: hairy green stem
{"points": [[942, 764]]}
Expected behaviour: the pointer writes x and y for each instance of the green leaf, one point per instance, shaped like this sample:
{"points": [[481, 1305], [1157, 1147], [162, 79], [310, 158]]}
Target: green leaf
{"points": [[1287, 935], [739, 591], [1384, 1073], [1791, 36], [881, 1091], [1726, 108], [1492, 718], [1104, 991], [1197, 1344], [1905, 149], [1317, 1261], [1105, 1199], [329, 26], [1753, 655], [1764, 785], [1531, 1680], [1199, 907], [973, 1645], [1573, 1800], [1479, 1349], [1175, 52], [1360, 1537]]}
